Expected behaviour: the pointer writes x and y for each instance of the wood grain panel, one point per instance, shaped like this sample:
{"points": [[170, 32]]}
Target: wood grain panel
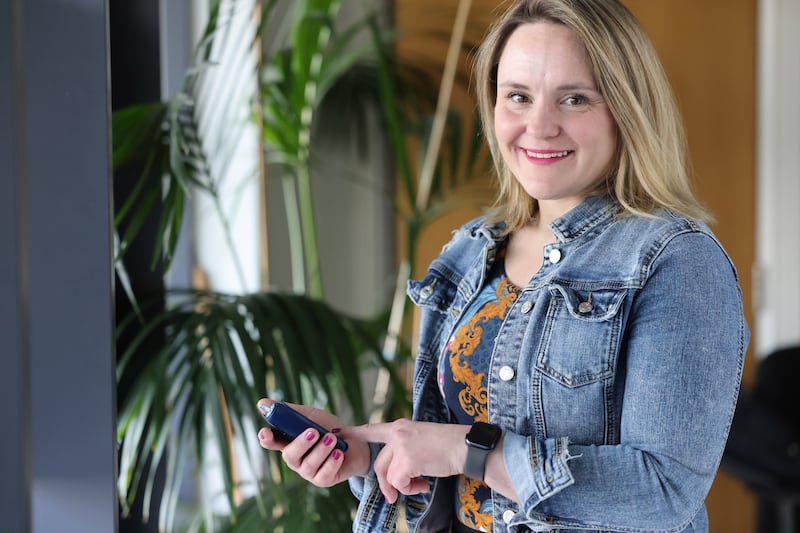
{"points": [[709, 52]]}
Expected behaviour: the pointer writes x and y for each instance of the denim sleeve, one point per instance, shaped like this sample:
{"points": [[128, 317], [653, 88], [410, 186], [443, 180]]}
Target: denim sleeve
{"points": [[682, 362], [374, 514], [548, 458]]}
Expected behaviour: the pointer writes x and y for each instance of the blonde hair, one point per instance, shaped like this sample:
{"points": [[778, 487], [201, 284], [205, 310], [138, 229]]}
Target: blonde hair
{"points": [[649, 170]]}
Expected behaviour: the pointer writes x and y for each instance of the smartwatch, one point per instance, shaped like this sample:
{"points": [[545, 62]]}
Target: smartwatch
{"points": [[481, 439]]}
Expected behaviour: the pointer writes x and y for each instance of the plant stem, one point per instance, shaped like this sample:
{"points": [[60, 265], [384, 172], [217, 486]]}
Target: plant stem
{"points": [[310, 92], [294, 226], [309, 229], [443, 104]]}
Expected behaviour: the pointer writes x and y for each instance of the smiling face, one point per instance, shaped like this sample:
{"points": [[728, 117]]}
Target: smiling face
{"points": [[553, 126]]}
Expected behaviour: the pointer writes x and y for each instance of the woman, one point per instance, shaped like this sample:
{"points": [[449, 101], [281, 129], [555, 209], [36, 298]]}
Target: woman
{"points": [[581, 347]]}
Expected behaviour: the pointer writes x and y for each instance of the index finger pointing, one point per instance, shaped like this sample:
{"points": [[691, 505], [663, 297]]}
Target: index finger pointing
{"points": [[376, 432]]}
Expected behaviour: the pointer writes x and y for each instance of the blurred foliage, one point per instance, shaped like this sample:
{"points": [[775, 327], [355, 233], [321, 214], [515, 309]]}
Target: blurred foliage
{"points": [[193, 396]]}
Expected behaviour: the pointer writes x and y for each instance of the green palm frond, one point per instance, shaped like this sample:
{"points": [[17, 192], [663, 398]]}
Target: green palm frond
{"points": [[303, 509], [163, 142], [295, 79], [221, 354], [147, 134]]}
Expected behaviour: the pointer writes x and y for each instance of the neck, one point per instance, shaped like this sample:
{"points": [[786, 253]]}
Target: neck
{"points": [[549, 210]]}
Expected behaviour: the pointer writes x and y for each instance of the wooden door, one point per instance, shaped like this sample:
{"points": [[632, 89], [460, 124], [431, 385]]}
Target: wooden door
{"points": [[709, 52]]}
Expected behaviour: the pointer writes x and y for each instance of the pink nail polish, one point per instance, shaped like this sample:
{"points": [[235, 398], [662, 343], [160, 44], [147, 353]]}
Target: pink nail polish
{"points": [[336, 454], [310, 435], [327, 440], [336, 430]]}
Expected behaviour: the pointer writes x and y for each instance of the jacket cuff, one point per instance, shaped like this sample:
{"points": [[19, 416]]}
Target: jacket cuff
{"points": [[548, 473]]}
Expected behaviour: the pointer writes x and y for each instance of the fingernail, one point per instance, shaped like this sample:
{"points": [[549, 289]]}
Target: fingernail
{"points": [[310, 435], [262, 408], [336, 430], [261, 435], [327, 440], [336, 454]]}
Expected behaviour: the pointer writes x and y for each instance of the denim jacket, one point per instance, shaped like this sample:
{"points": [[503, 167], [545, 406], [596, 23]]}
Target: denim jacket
{"points": [[627, 349]]}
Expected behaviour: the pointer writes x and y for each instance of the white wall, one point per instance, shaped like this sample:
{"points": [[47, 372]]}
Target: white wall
{"points": [[777, 276], [231, 267], [205, 244]]}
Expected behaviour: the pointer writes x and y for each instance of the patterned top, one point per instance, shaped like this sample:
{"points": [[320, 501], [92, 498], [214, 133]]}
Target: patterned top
{"points": [[463, 380]]}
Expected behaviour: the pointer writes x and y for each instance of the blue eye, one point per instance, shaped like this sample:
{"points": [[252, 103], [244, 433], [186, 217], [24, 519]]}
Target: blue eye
{"points": [[576, 100], [517, 98]]}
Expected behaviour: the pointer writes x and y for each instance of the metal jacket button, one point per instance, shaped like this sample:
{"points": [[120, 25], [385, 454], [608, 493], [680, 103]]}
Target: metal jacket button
{"points": [[526, 307], [506, 373], [554, 255], [508, 516]]}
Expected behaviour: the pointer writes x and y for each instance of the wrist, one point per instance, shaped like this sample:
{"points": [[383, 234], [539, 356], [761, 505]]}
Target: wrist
{"points": [[495, 463]]}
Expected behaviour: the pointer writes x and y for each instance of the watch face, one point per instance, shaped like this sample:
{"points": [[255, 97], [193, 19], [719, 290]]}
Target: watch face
{"points": [[483, 435]]}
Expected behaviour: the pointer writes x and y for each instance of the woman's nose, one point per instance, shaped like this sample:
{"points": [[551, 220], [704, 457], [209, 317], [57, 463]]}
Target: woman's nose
{"points": [[542, 121]]}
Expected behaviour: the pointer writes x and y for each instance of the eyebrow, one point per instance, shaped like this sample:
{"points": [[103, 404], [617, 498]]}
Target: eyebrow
{"points": [[567, 87]]}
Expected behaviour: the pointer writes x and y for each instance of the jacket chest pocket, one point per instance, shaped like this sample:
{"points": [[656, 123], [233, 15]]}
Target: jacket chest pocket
{"points": [[581, 334]]}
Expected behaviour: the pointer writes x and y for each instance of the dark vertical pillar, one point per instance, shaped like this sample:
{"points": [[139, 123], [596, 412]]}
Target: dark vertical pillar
{"points": [[136, 79], [58, 439], [15, 441]]}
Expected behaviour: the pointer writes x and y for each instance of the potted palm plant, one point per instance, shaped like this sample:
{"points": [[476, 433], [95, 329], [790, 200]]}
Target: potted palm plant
{"points": [[193, 397]]}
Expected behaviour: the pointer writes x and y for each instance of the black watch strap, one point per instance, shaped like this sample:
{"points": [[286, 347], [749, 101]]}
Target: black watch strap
{"points": [[475, 464], [481, 439]]}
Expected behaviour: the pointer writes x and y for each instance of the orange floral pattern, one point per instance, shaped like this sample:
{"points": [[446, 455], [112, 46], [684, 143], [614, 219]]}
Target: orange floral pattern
{"points": [[469, 354]]}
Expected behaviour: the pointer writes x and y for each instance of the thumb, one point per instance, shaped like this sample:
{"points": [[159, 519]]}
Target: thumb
{"points": [[416, 486]]}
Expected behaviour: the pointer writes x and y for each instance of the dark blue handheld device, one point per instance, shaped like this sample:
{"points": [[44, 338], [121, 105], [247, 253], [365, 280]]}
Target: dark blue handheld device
{"points": [[287, 423]]}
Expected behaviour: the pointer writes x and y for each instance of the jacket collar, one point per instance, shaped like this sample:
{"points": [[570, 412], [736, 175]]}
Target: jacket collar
{"points": [[591, 213]]}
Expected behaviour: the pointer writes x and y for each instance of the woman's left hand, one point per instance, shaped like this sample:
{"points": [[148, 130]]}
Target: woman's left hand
{"points": [[314, 457], [414, 449]]}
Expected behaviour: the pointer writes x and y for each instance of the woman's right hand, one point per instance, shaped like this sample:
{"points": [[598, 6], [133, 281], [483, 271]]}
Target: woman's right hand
{"points": [[312, 455]]}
